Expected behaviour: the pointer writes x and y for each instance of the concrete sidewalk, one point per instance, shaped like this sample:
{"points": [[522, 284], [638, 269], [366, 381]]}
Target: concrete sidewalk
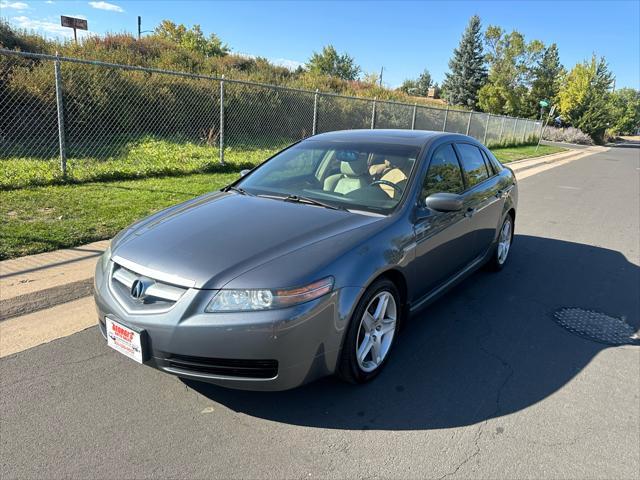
{"points": [[38, 282]]}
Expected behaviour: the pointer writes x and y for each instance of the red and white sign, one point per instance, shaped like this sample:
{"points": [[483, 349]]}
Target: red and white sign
{"points": [[124, 340]]}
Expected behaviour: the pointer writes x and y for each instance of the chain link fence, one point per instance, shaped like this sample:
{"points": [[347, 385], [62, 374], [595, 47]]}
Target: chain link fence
{"points": [[69, 119]]}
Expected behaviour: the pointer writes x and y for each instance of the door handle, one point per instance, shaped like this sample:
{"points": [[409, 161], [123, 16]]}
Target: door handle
{"points": [[470, 211], [502, 193]]}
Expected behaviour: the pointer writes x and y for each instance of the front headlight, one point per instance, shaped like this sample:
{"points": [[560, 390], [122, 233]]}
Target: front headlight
{"points": [[265, 299], [105, 258]]}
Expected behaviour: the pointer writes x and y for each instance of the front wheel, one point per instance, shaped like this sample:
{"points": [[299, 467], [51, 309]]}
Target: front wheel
{"points": [[503, 246], [371, 333]]}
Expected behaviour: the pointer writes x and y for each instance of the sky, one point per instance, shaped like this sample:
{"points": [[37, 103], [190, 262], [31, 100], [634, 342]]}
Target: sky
{"points": [[402, 37]]}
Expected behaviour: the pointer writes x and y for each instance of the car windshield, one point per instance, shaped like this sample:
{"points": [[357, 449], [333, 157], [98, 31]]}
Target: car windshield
{"points": [[352, 175]]}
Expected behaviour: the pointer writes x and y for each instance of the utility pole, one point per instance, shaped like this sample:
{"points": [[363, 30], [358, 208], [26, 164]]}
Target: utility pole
{"points": [[140, 31], [381, 70]]}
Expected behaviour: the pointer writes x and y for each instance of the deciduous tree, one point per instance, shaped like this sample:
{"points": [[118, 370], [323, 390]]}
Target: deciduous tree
{"points": [[625, 106], [329, 62], [511, 60], [584, 97], [191, 38]]}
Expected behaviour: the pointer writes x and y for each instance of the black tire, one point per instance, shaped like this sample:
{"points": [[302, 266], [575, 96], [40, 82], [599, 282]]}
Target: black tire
{"points": [[348, 368], [495, 263]]}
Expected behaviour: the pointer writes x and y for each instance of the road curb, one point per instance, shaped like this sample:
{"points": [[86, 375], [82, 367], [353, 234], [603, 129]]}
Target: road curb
{"points": [[43, 299], [532, 162]]}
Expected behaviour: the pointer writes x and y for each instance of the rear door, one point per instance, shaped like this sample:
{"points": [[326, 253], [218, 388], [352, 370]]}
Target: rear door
{"points": [[483, 195]]}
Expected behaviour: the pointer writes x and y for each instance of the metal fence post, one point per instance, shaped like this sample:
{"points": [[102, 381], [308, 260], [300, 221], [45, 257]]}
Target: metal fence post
{"points": [[413, 119], [373, 114], [446, 114], [501, 129], [469, 122], [222, 120], [315, 113], [486, 129], [60, 108]]}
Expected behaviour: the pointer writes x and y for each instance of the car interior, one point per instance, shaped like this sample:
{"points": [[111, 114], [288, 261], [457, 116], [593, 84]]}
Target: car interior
{"points": [[363, 173], [360, 177]]}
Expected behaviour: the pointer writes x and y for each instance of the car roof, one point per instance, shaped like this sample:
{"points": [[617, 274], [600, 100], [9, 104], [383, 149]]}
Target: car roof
{"points": [[417, 138]]}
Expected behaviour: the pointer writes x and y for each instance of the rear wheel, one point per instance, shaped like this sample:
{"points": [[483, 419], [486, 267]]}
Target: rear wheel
{"points": [[503, 246], [371, 334]]}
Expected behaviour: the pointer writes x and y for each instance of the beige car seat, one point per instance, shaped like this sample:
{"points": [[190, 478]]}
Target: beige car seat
{"points": [[391, 170], [352, 176]]}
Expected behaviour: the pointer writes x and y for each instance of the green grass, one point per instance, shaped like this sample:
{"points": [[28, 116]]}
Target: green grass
{"points": [[145, 157], [40, 219], [510, 154]]}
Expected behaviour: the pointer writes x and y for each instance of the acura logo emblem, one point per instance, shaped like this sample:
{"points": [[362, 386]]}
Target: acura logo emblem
{"points": [[138, 289]]}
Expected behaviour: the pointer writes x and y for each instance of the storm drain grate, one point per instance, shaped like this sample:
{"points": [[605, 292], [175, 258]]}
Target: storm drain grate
{"points": [[596, 326]]}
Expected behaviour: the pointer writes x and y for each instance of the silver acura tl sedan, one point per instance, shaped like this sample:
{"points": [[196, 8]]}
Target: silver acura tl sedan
{"points": [[308, 264]]}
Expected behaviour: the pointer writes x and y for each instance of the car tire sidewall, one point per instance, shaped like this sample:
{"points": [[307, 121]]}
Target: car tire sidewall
{"points": [[348, 368]]}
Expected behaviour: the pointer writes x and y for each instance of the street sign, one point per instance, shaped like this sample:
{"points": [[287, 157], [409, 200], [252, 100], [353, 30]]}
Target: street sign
{"points": [[544, 103], [75, 23], [553, 109], [72, 22]]}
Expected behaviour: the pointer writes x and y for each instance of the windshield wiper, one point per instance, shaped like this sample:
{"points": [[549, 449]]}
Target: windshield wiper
{"points": [[239, 190], [311, 201]]}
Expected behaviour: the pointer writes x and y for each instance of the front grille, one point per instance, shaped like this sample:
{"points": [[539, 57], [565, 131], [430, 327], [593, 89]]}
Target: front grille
{"points": [[159, 296], [224, 366]]}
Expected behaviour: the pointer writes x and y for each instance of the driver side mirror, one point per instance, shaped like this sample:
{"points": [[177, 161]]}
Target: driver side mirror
{"points": [[244, 172], [444, 202]]}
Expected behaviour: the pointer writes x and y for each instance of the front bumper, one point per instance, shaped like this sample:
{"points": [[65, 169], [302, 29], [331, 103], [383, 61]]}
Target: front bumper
{"points": [[265, 350]]}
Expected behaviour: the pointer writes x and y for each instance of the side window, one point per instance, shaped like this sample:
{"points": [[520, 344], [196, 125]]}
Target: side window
{"points": [[490, 166], [444, 173], [497, 166], [475, 171]]}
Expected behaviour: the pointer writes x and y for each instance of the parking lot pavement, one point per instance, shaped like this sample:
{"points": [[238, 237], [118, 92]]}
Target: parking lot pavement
{"points": [[483, 384]]}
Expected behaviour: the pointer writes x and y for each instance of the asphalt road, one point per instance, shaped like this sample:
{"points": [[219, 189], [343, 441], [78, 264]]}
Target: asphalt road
{"points": [[483, 384]]}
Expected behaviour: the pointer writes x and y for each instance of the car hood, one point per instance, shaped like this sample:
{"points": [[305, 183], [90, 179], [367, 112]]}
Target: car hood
{"points": [[211, 240]]}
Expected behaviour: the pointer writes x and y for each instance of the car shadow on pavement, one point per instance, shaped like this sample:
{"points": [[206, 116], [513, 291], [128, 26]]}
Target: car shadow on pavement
{"points": [[487, 349]]}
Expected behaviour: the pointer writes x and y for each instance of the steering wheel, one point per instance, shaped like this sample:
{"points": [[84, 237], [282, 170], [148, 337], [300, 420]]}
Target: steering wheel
{"points": [[388, 183]]}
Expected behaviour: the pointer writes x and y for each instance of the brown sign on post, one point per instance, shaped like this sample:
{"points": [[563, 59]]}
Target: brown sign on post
{"points": [[75, 23]]}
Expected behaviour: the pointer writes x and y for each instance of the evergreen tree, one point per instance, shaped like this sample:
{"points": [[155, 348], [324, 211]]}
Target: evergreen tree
{"points": [[547, 74], [468, 72], [418, 87]]}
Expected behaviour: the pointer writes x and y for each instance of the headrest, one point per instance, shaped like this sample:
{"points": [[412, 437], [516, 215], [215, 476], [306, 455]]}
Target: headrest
{"points": [[354, 169], [401, 162]]}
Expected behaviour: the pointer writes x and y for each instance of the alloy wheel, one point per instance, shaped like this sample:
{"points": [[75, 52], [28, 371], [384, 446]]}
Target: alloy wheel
{"points": [[504, 241], [376, 331]]}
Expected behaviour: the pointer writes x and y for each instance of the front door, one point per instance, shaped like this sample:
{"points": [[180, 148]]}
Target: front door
{"points": [[444, 240]]}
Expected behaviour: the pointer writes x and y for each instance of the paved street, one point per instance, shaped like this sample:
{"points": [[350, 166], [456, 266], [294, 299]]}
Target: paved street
{"points": [[483, 384]]}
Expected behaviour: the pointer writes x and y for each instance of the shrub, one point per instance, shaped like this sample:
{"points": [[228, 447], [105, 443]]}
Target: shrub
{"points": [[568, 135]]}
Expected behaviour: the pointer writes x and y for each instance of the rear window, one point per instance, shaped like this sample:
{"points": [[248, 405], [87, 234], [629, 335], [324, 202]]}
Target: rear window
{"points": [[473, 166]]}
